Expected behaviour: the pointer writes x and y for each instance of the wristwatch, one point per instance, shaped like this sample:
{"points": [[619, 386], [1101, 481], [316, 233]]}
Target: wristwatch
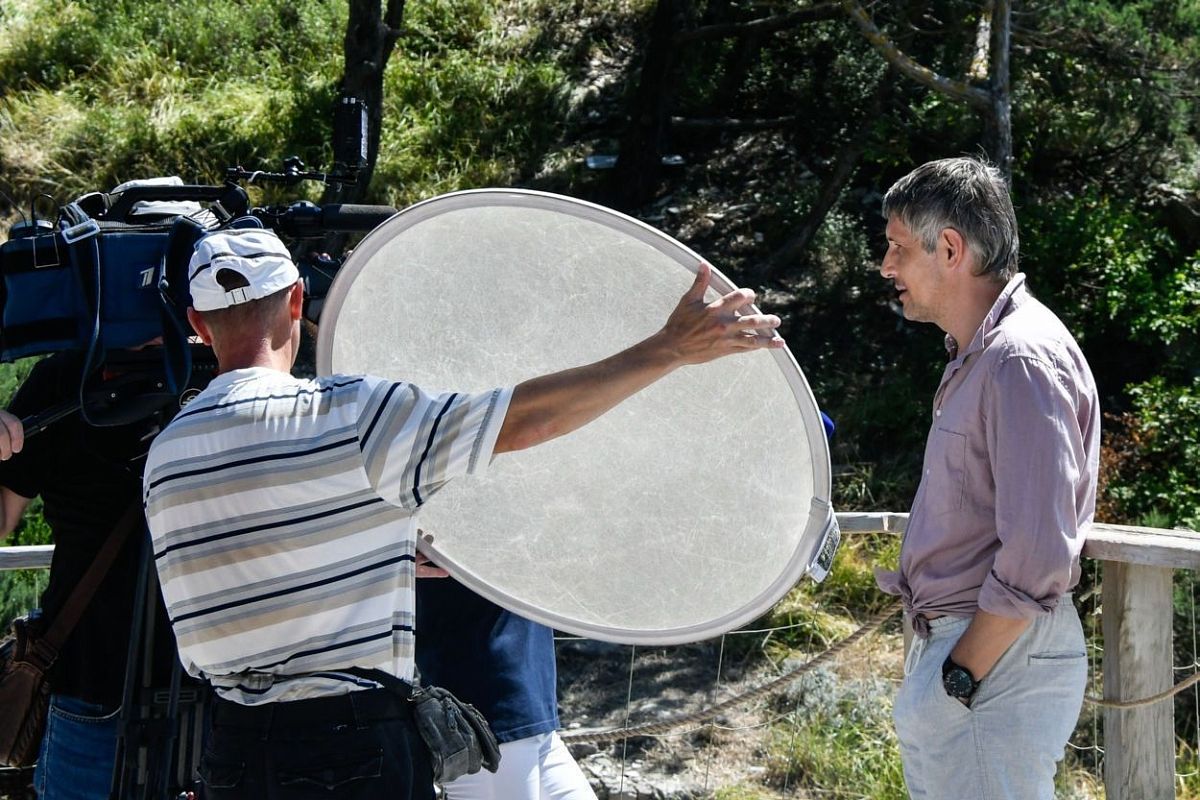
{"points": [[958, 680]]}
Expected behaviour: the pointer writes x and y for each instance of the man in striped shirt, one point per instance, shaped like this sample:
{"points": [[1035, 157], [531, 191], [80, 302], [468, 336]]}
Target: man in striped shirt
{"points": [[283, 516]]}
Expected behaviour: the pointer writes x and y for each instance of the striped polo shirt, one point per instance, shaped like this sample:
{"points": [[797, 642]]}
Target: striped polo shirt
{"points": [[283, 517]]}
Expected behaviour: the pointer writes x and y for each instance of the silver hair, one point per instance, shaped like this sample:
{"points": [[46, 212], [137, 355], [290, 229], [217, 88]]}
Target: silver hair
{"points": [[968, 195]]}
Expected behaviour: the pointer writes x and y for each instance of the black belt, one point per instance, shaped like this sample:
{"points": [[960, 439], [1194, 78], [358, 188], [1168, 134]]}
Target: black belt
{"points": [[367, 705]]}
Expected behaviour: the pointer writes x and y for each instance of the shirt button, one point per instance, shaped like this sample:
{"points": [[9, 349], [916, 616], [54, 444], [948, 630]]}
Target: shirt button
{"points": [[938, 412]]}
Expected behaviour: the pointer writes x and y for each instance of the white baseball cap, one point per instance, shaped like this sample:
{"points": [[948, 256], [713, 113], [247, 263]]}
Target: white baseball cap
{"points": [[254, 253]]}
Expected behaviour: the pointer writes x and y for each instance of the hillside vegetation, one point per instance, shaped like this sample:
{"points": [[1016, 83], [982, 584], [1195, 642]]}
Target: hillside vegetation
{"points": [[784, 126]]}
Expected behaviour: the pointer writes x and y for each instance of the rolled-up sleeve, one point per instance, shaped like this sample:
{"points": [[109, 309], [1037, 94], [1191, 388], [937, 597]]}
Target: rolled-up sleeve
{"points": [[1037, 455]]}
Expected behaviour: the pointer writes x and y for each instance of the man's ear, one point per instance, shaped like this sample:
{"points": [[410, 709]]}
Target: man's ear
{"points": [[952, 247], [199, 327], [296, 300]]}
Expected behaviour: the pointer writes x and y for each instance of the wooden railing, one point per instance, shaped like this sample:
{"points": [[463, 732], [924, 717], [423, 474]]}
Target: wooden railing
{"points": [[1138, 564], [1136, 601]]}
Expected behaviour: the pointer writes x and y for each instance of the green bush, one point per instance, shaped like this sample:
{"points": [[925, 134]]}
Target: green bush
{"points": [[21, 590], [1118, 280], [1155, 460]]}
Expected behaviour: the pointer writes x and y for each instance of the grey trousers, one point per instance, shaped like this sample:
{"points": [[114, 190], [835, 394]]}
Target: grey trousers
{"points": [[1008, 742]]}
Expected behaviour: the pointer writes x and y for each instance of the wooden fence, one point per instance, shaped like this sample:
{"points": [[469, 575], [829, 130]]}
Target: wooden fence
{"points": [[1138, 564], [1136, 600]]}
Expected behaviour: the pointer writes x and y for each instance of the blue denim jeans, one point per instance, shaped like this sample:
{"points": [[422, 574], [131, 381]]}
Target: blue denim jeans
{"points": [[78, 751]]}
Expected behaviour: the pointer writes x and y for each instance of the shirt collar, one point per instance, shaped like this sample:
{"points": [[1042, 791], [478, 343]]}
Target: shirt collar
{"points": [[226, 379], [1011, 297]]}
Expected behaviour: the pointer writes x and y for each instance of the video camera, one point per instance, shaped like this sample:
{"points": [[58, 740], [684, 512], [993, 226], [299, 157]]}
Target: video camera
{"points": [[109, 273], [106, 274]]}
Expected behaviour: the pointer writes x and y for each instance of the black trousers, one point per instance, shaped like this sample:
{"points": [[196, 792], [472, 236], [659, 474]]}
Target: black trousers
{"points": [[359, 746]]}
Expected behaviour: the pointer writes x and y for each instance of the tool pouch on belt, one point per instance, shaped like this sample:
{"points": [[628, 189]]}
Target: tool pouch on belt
{"points": [[459, 739], [24, 693]]}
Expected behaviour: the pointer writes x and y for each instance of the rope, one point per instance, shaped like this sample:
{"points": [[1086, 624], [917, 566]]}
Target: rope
{"points": [[869, 627], [1104, 702], [652, 728]]}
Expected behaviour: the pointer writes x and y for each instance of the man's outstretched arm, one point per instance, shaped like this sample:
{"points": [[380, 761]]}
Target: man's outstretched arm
{"points": [[549, 406]]}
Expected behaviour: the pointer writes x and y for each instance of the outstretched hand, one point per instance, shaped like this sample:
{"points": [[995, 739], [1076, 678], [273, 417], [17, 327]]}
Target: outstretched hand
{"points": [[698, 332]]}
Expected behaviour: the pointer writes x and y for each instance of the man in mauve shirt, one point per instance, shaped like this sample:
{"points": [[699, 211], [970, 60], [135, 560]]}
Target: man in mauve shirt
{"points": [[994, 679]]}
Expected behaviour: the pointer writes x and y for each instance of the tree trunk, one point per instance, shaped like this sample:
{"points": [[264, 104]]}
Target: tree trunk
{"points": [[997, 121], [993, 104], [366, 49], [371, 34], [639, 160]]}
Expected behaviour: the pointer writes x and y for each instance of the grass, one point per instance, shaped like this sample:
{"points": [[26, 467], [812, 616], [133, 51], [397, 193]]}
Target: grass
{"points": [[813, 616], [189, 88], [741, 791], [838, 739]]}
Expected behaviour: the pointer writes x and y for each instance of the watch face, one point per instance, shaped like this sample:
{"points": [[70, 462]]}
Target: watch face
{"points": [[958, 682]]}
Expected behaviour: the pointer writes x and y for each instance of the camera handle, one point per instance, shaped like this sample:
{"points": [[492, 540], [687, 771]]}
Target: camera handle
{"points": [[36, 423], [305, 220], [226, 201]]}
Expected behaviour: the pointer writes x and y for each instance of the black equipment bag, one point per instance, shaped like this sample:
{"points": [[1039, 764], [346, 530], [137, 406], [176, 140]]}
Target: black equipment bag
{"points": [[95, 286], [86, 284]]}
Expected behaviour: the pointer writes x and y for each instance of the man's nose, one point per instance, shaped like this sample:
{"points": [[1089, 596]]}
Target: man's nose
{"points": [[886, 268]]}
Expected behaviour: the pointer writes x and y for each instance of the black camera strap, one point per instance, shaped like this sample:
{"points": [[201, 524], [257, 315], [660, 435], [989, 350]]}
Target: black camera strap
{"points": [[64, 621], [81, 234]]}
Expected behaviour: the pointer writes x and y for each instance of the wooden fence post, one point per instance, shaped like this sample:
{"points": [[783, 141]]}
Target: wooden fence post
{"points": [[1139, 743]]}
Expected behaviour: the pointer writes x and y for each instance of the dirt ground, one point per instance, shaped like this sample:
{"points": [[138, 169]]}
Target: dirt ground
{"points": [[603, 686]]}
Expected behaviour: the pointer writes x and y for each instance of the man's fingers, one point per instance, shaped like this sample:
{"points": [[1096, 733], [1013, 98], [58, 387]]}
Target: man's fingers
{"points": [[701, 332], [426, 568], [699, 284], [734, 300], [758, 322], [431, 571], [12, 435], [756, 331], [758, 341]]}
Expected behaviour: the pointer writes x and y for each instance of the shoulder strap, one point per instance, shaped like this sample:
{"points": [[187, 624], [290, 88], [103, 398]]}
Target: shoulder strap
{"points": [[71, 611], [82, 235]]}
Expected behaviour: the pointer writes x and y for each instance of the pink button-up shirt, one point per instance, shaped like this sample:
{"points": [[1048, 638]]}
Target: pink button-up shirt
{"points": [[1009, 484]]}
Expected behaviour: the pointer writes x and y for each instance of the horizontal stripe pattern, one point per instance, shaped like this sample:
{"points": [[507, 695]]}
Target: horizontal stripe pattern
{"points": [[282, 514]]}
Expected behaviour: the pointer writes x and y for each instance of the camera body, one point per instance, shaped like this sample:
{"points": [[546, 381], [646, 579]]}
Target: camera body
{"points": [[110, 271]]}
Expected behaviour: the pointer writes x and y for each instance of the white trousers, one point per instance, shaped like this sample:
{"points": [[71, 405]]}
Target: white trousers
{"points": [[1007, 744], [535, 768]]}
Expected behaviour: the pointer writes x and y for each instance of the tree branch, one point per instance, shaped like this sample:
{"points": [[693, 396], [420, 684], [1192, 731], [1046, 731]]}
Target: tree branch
{"points": [[831, 189], [761, 26], [979, 99]]}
